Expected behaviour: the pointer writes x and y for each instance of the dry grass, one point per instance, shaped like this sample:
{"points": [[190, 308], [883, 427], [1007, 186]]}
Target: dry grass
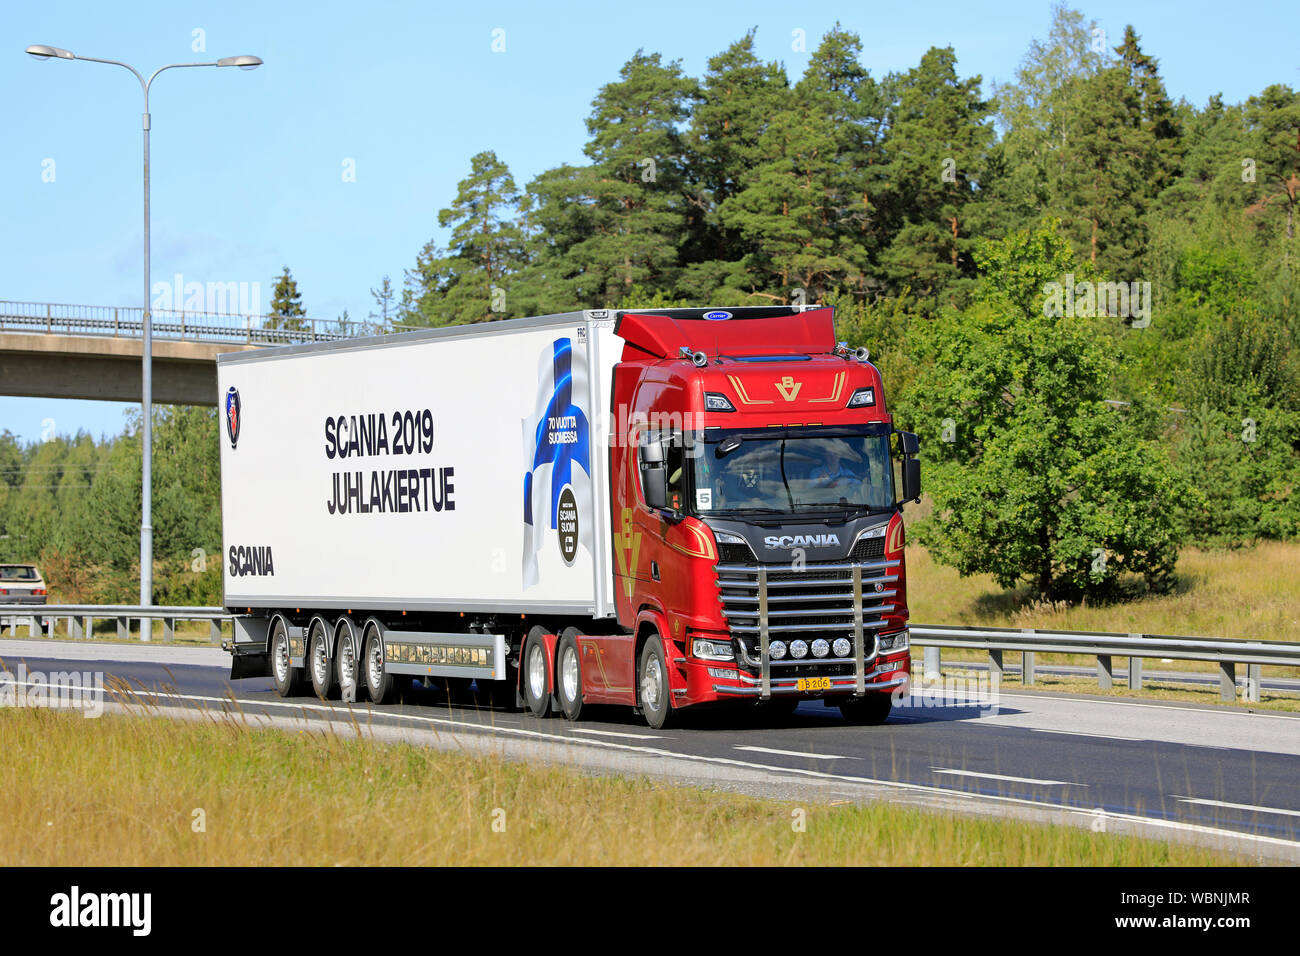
{"points": [[123, 791]]}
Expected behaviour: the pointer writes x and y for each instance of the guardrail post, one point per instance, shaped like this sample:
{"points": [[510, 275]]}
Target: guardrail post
{"points": [[214, 631], [1254, 674], [1027, 668], [74, 627], [1135, 673], [33, 626], [1228, 681], [114, 323], [995, 664], [932, 663], [169, 630], [47, 318], [123, 629], [1105, 672]]}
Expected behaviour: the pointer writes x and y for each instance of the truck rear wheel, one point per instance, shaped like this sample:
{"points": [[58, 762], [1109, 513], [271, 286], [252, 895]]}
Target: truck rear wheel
{"points": [[653, 696], [288, 679], [569, 677], [867, 711], [318, 661], [379, 681], [533, 674]]}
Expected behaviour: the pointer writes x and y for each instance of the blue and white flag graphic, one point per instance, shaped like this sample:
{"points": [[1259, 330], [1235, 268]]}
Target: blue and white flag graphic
{"points": [[556, 439]]}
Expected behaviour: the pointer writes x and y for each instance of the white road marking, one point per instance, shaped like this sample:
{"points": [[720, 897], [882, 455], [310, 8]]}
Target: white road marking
{"points": [[1239, 806], [615, 733], [796, 753], [999, 776], [1081, 733]]}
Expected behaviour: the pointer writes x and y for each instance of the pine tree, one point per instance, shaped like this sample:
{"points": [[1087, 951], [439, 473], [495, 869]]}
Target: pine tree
{"points": [[384, 297], [467, 281], [286, 305], [621, 221], [939, 136]]}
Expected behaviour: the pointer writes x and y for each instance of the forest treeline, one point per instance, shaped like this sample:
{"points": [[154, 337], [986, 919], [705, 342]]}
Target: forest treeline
{"points": [[1081, 292]]}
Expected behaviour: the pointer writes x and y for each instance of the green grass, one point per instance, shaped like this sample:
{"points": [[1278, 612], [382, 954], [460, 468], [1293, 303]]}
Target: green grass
{"points": [[124, 790]]}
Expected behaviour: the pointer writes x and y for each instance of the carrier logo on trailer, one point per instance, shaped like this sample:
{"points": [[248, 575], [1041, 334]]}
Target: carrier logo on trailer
{"points": [[232, 415]]}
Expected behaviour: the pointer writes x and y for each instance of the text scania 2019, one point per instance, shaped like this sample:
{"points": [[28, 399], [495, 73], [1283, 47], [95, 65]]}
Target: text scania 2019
{"points": [[656, 508]]}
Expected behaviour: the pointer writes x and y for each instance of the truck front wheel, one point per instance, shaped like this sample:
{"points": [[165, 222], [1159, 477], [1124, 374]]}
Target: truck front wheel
{"points": [[653, 697]]}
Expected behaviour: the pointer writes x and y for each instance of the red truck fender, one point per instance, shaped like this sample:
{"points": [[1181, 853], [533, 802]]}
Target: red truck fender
{"points": [[648, 619]]}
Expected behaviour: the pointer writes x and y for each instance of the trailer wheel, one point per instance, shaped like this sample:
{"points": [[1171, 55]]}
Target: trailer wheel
{"points": [[867, 711], [653, 696], [533, 674], [345, 662], [288, 679], [569, 677], [379, 681], [318, 662]]}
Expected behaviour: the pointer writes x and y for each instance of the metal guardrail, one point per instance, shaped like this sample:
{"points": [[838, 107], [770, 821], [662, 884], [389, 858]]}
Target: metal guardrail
{"points": [[1107, 645], [995, 641], [43, 619], [128, 322]]}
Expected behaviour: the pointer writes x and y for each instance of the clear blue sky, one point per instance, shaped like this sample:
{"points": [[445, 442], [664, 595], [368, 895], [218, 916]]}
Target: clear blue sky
{"points": [[247, 166]]}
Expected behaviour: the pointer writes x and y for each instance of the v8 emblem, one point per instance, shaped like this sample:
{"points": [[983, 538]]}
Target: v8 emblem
{"points": [[789, 388]]}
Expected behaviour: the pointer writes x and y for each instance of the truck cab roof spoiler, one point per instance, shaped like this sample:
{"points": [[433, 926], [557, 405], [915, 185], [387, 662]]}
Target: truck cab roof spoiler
{"points": [[760, 330]]}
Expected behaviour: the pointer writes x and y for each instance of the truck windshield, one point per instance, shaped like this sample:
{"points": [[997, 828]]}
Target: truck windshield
{"points": [[793, 472]]}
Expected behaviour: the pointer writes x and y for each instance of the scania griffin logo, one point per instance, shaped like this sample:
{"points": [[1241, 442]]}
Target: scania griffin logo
{"points": [[232, 415], [801, 540]]}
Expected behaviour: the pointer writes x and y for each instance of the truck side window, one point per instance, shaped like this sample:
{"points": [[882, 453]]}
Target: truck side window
{"points": [[675, 462]]}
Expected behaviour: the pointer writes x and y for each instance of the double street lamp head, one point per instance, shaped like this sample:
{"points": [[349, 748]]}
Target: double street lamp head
{"points": [[42, 52]]}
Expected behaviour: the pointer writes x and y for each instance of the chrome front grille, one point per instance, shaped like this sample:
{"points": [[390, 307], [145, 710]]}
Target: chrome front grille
{"points": [[815, 602]]}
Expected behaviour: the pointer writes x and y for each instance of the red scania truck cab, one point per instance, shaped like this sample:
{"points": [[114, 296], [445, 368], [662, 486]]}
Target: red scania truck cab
{"points": [[712, 514]]}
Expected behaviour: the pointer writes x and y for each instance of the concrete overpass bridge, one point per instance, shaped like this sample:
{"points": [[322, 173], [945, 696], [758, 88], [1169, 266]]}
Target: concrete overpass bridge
{"points": [[49, 350]]}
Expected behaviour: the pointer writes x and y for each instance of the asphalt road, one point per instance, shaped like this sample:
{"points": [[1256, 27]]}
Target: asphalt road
{"points": [[1219, 776]]}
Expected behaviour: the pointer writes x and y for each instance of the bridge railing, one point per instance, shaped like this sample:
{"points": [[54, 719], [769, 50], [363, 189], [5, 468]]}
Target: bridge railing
{"points": [[128, 322]]}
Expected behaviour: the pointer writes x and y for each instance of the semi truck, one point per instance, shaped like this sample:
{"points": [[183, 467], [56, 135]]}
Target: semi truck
{"points": [[655, 508]]}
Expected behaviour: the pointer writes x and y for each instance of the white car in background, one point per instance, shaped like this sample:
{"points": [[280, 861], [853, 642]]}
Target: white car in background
{"points": [[21, 584]]}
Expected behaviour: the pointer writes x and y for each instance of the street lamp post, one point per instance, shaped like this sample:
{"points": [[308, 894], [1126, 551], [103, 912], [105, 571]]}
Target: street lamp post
{"points": [[42, 52]]}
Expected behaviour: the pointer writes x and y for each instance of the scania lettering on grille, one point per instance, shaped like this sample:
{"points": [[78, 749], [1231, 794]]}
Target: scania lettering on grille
{"points": [[801, 540]]}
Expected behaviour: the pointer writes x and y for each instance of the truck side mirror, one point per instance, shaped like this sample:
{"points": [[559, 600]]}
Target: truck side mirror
{"points": [[911, 479], [654, 476], [909, 443]]}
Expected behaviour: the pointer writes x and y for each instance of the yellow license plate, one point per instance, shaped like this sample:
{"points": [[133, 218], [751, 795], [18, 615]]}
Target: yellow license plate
{"points": [[814, 683]]}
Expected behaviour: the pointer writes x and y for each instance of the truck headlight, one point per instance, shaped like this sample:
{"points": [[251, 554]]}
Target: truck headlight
{"points": [[776, 650], [893, 643], [862, 398], [799, 649], [712, 650], [842, 646], [820, 647]]}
